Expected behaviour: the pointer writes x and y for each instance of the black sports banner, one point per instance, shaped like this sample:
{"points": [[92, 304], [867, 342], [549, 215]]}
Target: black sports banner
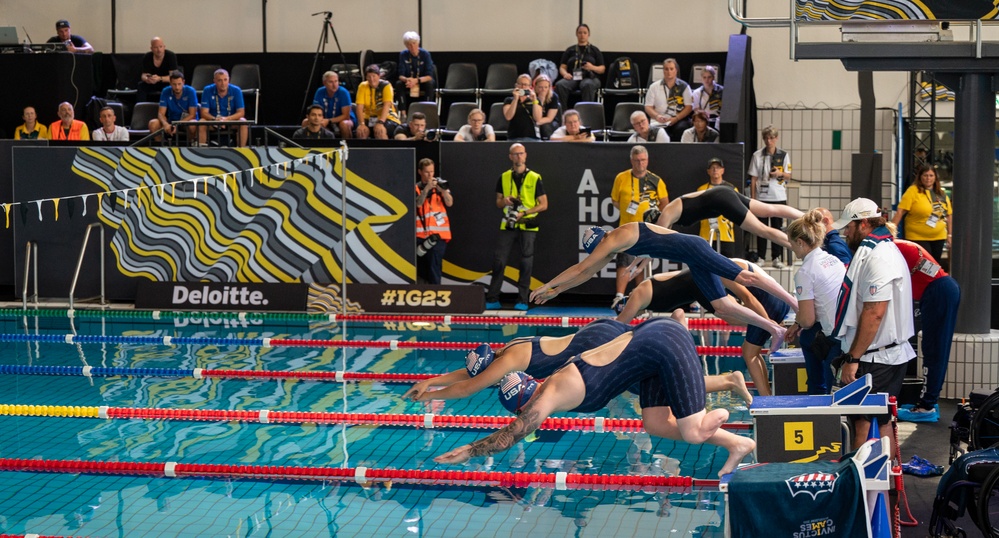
{"points": [[816, 10], [230, 296], [419, 299], [577, 179]]}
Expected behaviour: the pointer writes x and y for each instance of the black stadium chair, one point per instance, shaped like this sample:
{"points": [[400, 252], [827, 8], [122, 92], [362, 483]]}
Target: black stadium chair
{"points": [[500, 80], [621, 124], [203, 75], [462, 79], [457, 116], [623, 78], [498, 121], [591, 116], [141, 115], [429, 108], [247, 77]]}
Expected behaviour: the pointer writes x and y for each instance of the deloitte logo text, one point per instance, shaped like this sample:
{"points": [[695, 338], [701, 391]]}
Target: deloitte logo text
{"points": [[235, 295]]}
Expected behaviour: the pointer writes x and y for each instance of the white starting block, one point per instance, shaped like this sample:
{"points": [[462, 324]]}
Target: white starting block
{"points": [[806, 428], [790, 376]]}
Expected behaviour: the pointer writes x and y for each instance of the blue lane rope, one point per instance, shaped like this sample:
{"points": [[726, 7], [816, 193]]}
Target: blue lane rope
{"points": [[141, 340]]}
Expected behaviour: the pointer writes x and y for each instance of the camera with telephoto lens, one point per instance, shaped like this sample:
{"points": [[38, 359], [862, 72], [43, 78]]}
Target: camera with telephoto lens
{"points": [[510, 214], [524, 91], [431, 134], [427, 244], [651, 215], [443, 184]]}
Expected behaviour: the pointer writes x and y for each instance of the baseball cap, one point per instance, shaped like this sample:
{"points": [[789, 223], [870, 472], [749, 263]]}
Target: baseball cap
{"points": [[859, 209], [716, 160], [62, 23]]}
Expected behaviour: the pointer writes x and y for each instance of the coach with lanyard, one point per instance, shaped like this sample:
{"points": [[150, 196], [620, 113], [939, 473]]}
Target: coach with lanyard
{"points": [[580, 69], [874, 308]]}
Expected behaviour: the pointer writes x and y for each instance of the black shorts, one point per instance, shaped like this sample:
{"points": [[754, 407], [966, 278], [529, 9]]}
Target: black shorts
{"points": [[884, 379]]}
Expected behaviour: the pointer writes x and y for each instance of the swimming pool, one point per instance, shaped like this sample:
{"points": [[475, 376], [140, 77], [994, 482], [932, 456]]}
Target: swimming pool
{"points": [[102, 505]]}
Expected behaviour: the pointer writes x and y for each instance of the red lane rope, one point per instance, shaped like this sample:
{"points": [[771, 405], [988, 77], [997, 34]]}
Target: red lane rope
{"points": [[327, 376], [360, 475], [693, 323], [723, 351]]}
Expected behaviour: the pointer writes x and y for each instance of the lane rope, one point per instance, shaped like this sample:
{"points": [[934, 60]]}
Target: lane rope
{"points": [[424, 420]]}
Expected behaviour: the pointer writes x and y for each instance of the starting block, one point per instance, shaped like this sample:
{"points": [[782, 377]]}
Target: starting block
{"points": [[790, 376], [809, 428]]}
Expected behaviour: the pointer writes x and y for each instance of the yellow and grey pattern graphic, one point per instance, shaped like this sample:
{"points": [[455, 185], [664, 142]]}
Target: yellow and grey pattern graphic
{"points": [[241, 215], [819, 10]]}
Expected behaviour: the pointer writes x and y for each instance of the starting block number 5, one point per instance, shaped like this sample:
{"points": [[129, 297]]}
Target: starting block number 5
{"points": [[799, 436]]}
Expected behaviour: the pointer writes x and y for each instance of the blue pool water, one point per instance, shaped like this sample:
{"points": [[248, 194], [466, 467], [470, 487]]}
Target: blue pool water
{"points": [[64, 504]]}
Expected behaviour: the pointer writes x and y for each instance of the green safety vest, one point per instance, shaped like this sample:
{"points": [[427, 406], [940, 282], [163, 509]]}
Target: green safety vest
{"points": [[526, 196]]}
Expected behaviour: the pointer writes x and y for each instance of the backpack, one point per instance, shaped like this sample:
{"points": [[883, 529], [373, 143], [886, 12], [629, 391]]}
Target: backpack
{"points": [[541, 66], [624, 79]]}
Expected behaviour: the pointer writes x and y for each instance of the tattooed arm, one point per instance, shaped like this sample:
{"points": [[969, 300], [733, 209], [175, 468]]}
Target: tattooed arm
{"points": [[533, 414]]}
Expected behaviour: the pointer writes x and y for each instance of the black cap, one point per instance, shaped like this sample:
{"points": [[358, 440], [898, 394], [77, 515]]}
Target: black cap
{"points": [[716, 160], [63, 23]]}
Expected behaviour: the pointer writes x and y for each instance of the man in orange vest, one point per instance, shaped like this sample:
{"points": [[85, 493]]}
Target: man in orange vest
{"points": [[68, 128], [433, 229]]}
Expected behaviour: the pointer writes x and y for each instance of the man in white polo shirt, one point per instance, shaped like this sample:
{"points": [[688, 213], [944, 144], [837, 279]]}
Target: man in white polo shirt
{"points": [[874, 313]]}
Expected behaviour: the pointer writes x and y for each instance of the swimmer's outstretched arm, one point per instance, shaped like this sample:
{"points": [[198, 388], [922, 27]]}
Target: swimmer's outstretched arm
{"points": [[418, 390], [581, 272], [530, 419]]}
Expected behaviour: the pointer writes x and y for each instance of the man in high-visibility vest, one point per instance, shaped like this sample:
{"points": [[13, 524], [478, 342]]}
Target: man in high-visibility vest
{"points": [[521, 196], [433, 228]]}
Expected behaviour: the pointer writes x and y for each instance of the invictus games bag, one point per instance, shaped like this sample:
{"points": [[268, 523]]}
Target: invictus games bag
{"points": [[798, 500]]}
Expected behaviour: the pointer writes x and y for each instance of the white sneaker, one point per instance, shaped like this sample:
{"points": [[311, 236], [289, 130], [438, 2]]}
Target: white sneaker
{"points": [[778, 264], [617, 299]]}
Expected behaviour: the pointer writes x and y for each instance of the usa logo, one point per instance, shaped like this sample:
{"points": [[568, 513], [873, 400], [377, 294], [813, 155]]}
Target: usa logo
{"points": [[812, 483], [797, 290], [873, 289]]}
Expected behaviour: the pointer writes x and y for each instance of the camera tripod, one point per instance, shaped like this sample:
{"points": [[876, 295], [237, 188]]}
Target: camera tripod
{"points": [[321, 51]]}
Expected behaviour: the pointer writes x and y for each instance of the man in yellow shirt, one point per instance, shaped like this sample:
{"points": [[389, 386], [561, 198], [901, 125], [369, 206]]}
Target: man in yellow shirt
{"points": [[376, 113], [639, 195], [721, 225]]}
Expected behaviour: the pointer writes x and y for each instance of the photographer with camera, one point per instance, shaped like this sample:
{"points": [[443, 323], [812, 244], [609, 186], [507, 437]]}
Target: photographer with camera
{"points": [[521, 195], [518, 109], [433, 228], [572, 130], [639, 195], [415, 129]]}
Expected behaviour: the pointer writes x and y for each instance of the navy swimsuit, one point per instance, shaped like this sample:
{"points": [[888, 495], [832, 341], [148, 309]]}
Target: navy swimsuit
{"points": [[595, 334], [661, 355]]}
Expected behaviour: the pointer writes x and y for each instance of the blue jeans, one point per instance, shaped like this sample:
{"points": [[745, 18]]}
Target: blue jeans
{"points": [[821, 378], [938, 310]]}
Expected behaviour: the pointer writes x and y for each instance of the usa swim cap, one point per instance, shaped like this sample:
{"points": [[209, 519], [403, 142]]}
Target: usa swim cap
{"points": [[515, 390], [478, 359], [592, 237]]}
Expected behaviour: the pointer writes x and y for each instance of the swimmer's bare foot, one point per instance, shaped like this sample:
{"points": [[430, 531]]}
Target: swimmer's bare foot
{"points": [[736, 454], [679, 316], [777, 338], [737, 382]]}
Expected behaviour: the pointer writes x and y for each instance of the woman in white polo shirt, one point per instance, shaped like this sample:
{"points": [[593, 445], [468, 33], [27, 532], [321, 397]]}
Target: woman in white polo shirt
{"points": [[816, 285]]}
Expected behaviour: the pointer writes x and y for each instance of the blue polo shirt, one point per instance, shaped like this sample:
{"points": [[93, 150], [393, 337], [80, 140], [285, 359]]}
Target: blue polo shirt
{"points": [[176, 108], [222, 106], [333, 106]]}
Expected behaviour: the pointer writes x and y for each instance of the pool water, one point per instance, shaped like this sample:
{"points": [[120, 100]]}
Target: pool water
{"points": [[96, 505]]}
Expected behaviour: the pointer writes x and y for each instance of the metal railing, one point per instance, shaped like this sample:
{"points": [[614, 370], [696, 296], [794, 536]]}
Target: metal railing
{"points": [[30, 262], [79, 265]]}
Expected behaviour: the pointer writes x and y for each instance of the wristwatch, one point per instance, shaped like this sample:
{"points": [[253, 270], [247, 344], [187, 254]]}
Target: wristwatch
{"points": [[845, 358]]}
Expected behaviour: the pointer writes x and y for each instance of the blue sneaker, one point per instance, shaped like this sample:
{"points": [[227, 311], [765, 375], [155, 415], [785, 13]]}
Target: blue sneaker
{"points": [[911, 413], [520, 306], [493, 305]]}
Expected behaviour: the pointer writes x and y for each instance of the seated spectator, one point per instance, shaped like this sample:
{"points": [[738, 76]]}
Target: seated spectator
{"points": [[547, 108], [157, 65], [709, 96], [30, 129], [314, 129], [668, 101], [178, 102], [581, 67], [335, 101], [109, 132], [571, 130], [518, 110], [222, 101], [74, 43], [700, 132], [68, 128], [416, 72], [416, 129], [376, 112], [643, 132], [476, 130]]}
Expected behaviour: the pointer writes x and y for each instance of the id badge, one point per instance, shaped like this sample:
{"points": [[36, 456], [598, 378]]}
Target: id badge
{"points": [[927, 267], [439, 218], [933, 221], [372, 122], [577, 74], [632, 208], [713, 223], [763, 188]]}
